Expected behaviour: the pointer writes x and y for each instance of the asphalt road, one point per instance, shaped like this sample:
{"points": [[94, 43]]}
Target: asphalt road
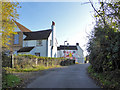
{"points": [[74, 76]]}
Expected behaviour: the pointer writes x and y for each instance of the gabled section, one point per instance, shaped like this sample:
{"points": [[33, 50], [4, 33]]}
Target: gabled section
{"points": [[37, 35], [21, 27], [25, 49]]}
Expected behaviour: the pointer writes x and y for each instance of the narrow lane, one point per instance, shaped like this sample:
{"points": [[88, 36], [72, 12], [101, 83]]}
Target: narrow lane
{"points": [[74, 76]]}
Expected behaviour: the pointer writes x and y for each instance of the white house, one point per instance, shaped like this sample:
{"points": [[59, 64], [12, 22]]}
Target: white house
{"points": [[71, 52], [40, 43]]}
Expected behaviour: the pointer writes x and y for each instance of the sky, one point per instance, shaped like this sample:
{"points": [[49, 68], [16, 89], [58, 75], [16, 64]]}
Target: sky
{"points": [[73, 20]]}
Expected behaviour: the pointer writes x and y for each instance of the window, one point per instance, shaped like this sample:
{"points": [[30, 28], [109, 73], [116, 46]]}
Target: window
{"points": [[50, 42], [37, 54], [25, 43], [39, 43], [64, 51], [16, 39], [73, 51]]}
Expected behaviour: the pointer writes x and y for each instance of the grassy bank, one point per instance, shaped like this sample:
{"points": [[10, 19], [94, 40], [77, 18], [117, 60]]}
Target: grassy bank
{"points": [[30, 69], [109, 79], [10, 81]]}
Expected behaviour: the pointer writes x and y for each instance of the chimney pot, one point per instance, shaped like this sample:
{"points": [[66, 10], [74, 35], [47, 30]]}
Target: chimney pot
{"points": [[53, 23], [67, 43], [77, 44]]}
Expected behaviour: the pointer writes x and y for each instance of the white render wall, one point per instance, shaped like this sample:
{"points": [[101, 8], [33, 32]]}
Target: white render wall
{"points": [[24, 53], [81, 56], [78, 54], [61, 54], [30, 43], [37, 49], [50, 51], [49, 47]]}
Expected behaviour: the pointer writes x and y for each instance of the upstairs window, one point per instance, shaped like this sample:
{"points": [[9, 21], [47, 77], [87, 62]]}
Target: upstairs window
{"points": [[16, 39], [26, 44], [39, 43]]}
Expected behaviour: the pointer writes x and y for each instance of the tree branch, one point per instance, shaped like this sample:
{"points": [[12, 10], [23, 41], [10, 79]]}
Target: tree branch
{"points": [[97, 12]]}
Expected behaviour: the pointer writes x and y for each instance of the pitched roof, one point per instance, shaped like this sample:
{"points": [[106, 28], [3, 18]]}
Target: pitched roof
{"points": [[25, 49], [62, 47], [21, 27], [37, 35]]}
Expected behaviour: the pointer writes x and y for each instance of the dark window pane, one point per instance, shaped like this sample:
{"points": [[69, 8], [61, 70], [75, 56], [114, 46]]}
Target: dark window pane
{"points": [[64, 51], [73, 51]]}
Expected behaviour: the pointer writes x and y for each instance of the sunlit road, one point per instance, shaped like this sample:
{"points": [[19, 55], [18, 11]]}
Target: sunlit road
{"points": [[74, 76]]}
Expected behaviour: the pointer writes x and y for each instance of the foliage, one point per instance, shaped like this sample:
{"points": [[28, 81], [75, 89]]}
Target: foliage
{"points": [[104, 43], [10, 81], [67, 62], [108, 14], [6, 60], [26, 63], [30, 69], [106, 79], [9, 12], [34, 56]]}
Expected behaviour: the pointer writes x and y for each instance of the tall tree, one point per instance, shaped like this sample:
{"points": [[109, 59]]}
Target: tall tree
{"points": [[104, 44], [9, 12]]}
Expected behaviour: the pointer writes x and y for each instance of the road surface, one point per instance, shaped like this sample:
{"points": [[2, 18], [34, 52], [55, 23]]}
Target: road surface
{"points": [[74, 76]]}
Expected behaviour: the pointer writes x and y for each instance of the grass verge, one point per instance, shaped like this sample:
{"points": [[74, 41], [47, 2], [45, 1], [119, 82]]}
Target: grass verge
{"points": [[10, 81], [29, 69], [107, 79]]}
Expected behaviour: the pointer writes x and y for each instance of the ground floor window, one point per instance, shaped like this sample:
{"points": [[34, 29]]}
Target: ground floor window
{"points": [[37, 54]]}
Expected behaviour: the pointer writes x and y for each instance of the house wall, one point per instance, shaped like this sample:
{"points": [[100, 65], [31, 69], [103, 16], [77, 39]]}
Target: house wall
{"points": [[55, 50], [15, 47], [24, 52], [68, 54], [49, 46], [54, 42], [52, 53], [29, 43], [37, 49], [78, 54]]}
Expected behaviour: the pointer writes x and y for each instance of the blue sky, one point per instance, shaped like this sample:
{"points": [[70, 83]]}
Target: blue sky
{"points": [[72, 20]]}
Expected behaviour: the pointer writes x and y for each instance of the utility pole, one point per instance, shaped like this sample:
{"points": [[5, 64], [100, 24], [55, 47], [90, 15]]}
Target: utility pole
{"points": [[64, 48]]}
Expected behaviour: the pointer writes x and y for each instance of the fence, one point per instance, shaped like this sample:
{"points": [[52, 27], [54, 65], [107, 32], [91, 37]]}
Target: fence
{"points": [[23, 61]]}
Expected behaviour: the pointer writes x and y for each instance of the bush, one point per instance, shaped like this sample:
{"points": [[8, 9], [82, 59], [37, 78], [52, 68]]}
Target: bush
{"points": [[104, 49], [108, 79]]}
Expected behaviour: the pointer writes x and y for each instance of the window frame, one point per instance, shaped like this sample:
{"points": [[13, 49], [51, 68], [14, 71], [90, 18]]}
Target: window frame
{"points": [[50, 42], [38, 43], [36, 53], [14, 39]]}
